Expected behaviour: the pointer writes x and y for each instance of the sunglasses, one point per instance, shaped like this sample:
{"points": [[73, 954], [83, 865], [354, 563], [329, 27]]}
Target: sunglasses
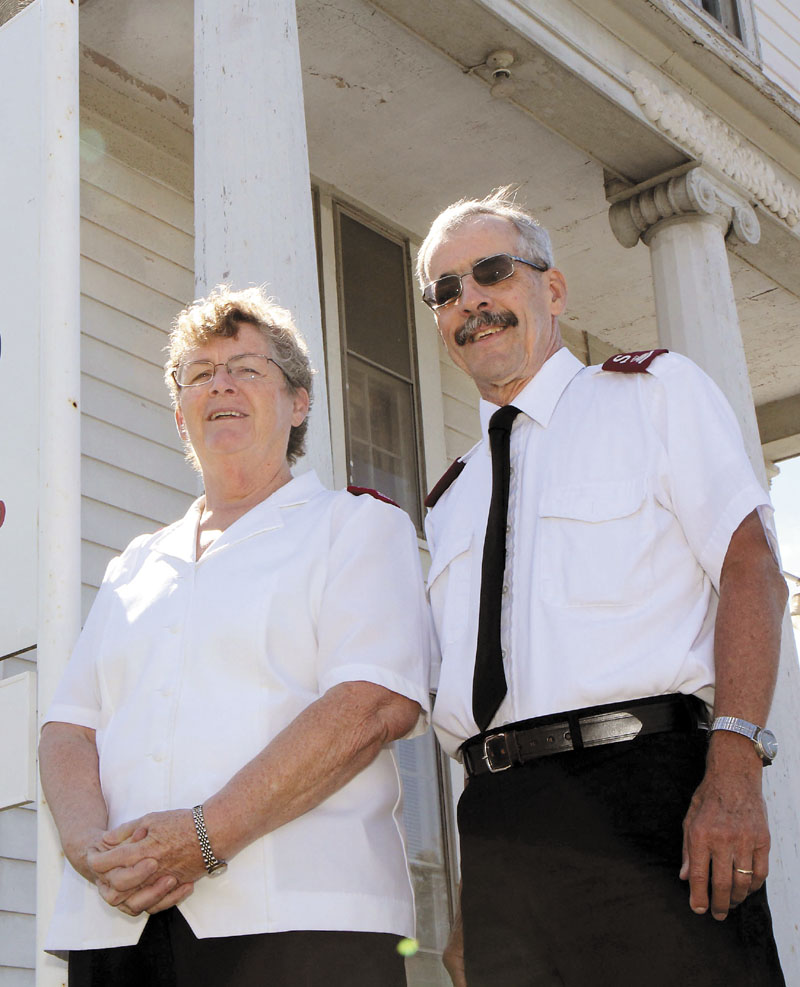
{"points": [[488, 271]]}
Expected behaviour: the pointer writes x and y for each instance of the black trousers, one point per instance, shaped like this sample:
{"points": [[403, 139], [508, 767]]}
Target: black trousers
{"points": [[169, 955], [570, 876]]}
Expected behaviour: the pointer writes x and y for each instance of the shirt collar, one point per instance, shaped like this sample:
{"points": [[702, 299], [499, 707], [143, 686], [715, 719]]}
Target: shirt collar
{"points": [[541, 394], [179, 539]]}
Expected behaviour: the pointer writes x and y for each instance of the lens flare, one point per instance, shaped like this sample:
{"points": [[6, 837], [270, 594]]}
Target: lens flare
{"points": [[93, 145]]}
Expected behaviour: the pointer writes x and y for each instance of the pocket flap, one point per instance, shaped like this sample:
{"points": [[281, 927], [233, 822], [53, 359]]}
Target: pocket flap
{"points": [[454, 541], [602, 501]]}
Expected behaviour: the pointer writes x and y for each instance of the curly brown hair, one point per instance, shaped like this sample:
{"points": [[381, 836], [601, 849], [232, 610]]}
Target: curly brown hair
{"points": [[223, 313]]}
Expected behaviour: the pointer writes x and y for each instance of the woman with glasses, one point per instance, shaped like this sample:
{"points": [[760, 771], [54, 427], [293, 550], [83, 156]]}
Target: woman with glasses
{"points": [[216, 756]]}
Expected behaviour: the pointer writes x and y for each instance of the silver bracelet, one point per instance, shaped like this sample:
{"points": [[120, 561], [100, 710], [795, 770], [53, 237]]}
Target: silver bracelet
{"points": [[214, 866]]}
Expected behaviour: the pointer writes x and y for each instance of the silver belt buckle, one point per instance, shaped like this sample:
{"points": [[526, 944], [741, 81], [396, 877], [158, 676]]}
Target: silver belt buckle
{"points": [[489, 755]]}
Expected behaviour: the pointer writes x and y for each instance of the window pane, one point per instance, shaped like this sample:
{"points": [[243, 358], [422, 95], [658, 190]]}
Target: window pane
{"points": [[418, 760], [375, 301], [725, 11], [382, 434]]}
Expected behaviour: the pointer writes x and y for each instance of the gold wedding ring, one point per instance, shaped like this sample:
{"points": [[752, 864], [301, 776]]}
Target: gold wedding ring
{"points": [[741, 870]]}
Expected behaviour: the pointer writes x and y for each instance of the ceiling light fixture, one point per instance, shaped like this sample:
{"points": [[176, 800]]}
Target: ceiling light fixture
{"points": [[500, 62]]}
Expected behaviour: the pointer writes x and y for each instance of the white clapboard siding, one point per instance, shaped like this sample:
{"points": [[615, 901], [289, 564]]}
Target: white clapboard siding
{"points": [[14, 977], [120, 144], [17, 891], [129, 411], [17, 872], [129, 451], [106, 210], [778, 23], [123, 370], [462, 427], [18, 939], [18, 834], [110, 325], [129, 298], [134, 261], [134, 494]]}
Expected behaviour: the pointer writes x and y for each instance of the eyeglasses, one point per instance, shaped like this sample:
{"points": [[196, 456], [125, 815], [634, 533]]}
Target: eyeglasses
{"points": [[243, 366], [488, 271]]}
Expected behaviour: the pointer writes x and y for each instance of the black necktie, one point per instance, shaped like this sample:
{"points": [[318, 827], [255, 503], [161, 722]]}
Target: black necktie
{"points": [[489, 681]]}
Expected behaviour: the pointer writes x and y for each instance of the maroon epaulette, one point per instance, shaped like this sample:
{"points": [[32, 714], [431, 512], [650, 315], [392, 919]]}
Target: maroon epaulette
{"points": [[632, 363], [452, 472], [358, 491], [2, 513]]}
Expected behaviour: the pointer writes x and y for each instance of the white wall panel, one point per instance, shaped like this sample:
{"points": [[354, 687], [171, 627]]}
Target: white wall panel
{"points": [[20, 212]]}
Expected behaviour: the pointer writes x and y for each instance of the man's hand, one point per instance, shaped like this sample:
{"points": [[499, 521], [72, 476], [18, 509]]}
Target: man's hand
{"points": [[725, 829], [161, 844], [453, 955]]}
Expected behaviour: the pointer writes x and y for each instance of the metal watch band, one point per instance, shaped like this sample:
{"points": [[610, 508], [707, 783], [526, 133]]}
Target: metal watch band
{"points": [[213, 865], [735, 725], [763, 739]]}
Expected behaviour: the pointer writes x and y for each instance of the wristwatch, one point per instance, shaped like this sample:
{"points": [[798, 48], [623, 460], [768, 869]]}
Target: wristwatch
{"points": [[214, 866], [764, 740]]}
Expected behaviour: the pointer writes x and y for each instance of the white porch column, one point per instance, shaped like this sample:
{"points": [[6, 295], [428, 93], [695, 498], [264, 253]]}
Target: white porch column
{"points": [[59, 613], [253, 216], [685, 221]]}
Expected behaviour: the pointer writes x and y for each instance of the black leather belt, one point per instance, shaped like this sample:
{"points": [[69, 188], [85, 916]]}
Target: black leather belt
{"points": [[514, 744]]}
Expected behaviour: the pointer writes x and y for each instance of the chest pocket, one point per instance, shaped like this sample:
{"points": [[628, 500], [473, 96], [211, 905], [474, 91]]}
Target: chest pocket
{"points": [[595, 544], [449, 584]]}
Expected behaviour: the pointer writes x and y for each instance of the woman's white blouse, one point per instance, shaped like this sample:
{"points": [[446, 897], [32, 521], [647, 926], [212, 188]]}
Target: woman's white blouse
{"points": [[187, 669]]}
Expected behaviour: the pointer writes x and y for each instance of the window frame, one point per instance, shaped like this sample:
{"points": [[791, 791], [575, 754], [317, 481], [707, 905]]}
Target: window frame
{"points": [[747, 41], [339, 208]]}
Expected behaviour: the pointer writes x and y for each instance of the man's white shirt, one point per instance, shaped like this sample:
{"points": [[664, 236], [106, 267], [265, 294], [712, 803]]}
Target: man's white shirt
{"points": [[625, 491]]}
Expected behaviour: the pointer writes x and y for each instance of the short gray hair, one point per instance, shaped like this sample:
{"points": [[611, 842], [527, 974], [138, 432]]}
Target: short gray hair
{"points": [[534, 238], [222, 314]]}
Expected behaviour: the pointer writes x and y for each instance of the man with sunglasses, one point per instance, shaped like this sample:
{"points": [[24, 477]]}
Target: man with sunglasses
{"points": [[608, 605]]}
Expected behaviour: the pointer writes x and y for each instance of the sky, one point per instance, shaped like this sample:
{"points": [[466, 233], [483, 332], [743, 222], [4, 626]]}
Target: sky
{"points": [[785, 492]]}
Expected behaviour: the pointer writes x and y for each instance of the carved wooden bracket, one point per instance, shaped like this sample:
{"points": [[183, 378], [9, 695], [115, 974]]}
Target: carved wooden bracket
{"points": [[713, 142]]}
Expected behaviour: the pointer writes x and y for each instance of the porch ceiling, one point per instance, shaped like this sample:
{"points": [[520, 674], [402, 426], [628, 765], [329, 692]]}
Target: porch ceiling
{"points": [[399, 125]]}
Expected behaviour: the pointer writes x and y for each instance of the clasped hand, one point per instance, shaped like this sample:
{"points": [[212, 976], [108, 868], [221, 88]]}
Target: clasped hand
{"points": [[148, 864]]}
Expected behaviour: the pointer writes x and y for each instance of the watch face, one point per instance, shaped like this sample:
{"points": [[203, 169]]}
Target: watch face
{"points": [[768, 743]]}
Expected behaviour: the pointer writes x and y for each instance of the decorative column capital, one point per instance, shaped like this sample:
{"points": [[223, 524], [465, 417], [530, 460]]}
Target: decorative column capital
{"points": [[695, 193]]}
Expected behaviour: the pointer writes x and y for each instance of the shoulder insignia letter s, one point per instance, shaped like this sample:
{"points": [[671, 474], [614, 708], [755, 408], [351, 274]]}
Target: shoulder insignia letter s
{"points": [[632, 363]]}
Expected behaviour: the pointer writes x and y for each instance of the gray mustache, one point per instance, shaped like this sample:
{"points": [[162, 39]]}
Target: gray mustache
{"points": [[483, 320]]}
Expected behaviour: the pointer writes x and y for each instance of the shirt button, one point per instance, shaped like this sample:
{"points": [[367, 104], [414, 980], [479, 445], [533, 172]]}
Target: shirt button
{"points": [[505, 590], [502, 654], [159, 756]]}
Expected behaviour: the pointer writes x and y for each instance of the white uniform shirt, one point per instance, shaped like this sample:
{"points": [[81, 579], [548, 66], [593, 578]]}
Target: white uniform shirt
{"points": [[187, 669], [625, 491]]}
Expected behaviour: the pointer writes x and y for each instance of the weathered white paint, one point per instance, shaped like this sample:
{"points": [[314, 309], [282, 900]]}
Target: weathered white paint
{"points": [[59, 367], [696, 315], [253, 216]]}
